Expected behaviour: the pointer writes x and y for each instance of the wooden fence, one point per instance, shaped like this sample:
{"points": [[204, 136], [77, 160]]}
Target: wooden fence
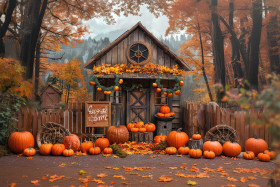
{"points": [[202, 117]]}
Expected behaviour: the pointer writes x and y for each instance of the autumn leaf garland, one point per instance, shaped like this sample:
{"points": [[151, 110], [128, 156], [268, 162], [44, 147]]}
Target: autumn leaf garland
{"points": [[117, 81], [169, 91]]}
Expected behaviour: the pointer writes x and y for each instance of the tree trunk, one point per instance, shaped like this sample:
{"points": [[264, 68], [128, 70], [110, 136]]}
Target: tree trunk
{"points": [[33, 17], [5, 26], [254, 44], [37, 70], [203, 64], [273, 39], [218, 45]]}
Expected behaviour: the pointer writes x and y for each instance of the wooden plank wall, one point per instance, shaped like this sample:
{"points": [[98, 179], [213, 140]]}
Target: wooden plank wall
{"points": [[118, 54], [241, 121]]}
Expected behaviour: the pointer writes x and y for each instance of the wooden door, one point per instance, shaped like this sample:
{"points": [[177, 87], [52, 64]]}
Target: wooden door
{"points": [[138, 106]]}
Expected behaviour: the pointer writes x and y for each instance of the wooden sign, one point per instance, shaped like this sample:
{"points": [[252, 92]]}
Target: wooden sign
{"points": [[98, 114]]}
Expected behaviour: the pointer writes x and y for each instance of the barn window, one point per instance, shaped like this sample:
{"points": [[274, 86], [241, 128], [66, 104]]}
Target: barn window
{"points": [[139, 53], [160, 99]]}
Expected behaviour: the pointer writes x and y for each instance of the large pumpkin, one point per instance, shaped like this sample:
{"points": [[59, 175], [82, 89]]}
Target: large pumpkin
{"points": [[18, 141], [73, 141], [117, 134], [231, 149], [177, 138], [256, 145], [102, 143], [164, 109], [214, 146]]}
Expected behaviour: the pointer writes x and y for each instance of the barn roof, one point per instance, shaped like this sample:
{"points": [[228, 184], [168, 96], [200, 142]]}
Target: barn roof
{"points": [[93, 60], [53, 87]]}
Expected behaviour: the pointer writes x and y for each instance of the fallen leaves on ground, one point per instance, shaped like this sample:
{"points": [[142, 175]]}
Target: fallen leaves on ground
{"points": [[73, 163], [119, 176], [101, 175], [35, 182], [231, 179], [192, 183], [82, 172], [13, 184], [55, 177], [165, 178], [62, 165], [253, 185], [29, 158], [243, 179]]}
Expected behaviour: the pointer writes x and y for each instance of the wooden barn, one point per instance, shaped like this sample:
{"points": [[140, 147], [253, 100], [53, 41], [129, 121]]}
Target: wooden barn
{"points": [[137, 99], [50, 97]]}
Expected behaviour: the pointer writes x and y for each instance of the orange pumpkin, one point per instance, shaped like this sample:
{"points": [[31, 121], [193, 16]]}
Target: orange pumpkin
{"points": [[196, 136], [214, 146], [94, 150], [73, 141], [257, 145], [130, 126], [85, 146], [159, 138], [18, 141], [209, 154], [135, 129], [249, 155], [160, 114], [172, 114], [169, 95], [231, 149], [181, 83], [272, 154], [167, 115], [140, 124], [264, 157], [177, 92], [108, 150], [68, 152], [183, 150], [92, 83], [99, 89], [29, 151], [117, 88], [142, 129], [45, 149], [177, 138], [154, 85], [57, 149], [171, 150], [117, 134], [150, 127], [102, 143], [158, 90], [164, 109], [195, 153], [120, 81], [165, 93]]}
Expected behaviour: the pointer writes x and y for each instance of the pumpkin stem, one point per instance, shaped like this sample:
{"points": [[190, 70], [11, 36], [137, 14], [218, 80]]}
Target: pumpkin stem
{"points": [[256, 136], [30, 147], [118, 124], [180, 130], [69, 147], [209, 150]]}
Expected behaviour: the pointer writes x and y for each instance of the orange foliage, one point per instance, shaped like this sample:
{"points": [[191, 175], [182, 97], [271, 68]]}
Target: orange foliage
{"points": [[11, 78]]}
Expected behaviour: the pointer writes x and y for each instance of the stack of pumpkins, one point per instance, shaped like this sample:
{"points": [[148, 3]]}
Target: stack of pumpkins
{"points": [[178, 140], [141, 127], [164, 112]]}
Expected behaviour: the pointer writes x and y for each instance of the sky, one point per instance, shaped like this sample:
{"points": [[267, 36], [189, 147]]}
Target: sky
{"points": [[155, 25]]}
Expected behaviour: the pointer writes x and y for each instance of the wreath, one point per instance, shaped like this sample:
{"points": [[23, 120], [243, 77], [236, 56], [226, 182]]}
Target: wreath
{"points": [[169, 92], [107, 90]]}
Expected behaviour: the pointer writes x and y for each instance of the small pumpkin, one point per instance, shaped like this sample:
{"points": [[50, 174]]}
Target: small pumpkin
{"points": [[214, 146], [135, 129], [257, 145], [195, 153], [158, 90], [140, 124], [92, 83], [231, 149], [102, 143], [249, 155], [68, 152], [45, 149], [150, 127], [181, 83], [117, 88], [142, 129], [183, 150], [169, 95], [264, 157], [99, 89], [165, 93], [177, 138], [85, 146], [117, 134], [130, 126], [159, 138], [171, 150], [159, 114], [19, 141], [172, 113], [73, 141], [120, 81], [94, 150], [29, 151], [57, 149], [168, 115], [209, 154], [177, 92], [108, 150], [154, 85], [164, 109], [272, 154], [196, 136]]}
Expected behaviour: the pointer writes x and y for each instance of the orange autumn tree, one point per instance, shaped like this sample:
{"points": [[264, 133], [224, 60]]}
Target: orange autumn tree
{"points": [[69, 79]]}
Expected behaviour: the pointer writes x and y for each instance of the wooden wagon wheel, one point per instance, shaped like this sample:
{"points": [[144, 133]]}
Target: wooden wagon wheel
{"points": [[222, 133], [51, 133]]}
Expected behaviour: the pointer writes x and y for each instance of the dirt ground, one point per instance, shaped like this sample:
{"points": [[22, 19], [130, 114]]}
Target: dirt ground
{"points": [[22, 171]]}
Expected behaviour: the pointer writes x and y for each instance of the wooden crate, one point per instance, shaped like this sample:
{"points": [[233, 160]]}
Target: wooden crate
{"points": [[146, 137]]}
